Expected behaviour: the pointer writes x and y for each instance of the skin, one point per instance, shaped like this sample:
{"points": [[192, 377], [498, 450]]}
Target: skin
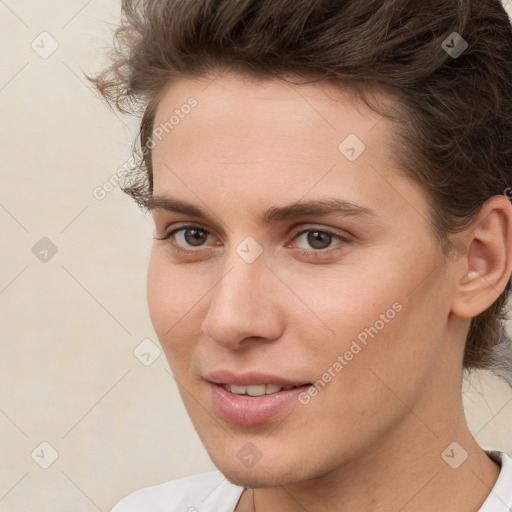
{"points": [[372, 439]]}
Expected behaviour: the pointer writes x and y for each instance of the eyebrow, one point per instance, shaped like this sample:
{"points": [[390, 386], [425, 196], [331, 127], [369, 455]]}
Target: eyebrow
{"points": [[319, 207]]}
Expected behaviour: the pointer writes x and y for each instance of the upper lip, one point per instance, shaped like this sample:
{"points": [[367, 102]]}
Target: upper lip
{"points": [[249, 378]]}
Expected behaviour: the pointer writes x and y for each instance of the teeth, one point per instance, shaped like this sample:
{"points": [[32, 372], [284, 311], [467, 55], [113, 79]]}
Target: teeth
{"points": [[272, 388], [238, 390], [256, 390]]}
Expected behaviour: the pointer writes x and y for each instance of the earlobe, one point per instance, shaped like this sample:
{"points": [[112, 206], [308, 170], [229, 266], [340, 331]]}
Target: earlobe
{"points": [[486, 267]]}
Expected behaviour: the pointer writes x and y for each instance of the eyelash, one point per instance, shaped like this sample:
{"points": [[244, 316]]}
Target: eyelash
{"points": [[296, 234]]}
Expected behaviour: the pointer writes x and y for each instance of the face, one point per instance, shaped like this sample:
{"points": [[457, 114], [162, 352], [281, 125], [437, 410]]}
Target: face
{"points": [[291, 251]]}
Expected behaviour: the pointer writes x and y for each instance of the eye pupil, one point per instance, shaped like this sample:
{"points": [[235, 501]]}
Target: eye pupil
{"points": [[319, 239], [197, 238]]}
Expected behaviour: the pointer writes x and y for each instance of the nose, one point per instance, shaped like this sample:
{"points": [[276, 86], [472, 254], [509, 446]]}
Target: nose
{"points": [[244, 304]]}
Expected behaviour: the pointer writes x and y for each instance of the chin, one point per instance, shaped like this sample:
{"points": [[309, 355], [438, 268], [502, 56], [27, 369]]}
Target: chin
{"points": [[264, 476], [264, 473]]}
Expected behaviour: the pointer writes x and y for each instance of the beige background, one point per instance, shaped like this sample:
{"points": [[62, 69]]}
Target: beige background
{"points": [[70, 325]]}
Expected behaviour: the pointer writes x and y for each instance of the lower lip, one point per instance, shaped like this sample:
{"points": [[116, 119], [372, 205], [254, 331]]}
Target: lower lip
{"points": [[252, 410]]}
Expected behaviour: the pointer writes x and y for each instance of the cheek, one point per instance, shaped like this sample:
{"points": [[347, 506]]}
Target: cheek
{"points": [[336, 306], [371, 318], [169, 301], [177, 296], [159, 293], [388, 347]]}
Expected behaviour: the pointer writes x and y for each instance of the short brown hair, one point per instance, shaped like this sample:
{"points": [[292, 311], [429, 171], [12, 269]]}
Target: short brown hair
{"points": [[455, 130]]}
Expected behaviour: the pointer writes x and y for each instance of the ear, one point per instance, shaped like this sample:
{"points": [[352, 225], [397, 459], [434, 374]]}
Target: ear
{"points": [[483, 272]]}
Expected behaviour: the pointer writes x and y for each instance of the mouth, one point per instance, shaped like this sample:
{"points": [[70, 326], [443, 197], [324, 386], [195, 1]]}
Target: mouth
{"points": [[252, 399], [257, 389]]}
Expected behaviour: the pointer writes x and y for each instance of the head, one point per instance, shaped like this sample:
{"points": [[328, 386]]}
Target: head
{"points": [[393, 275]]}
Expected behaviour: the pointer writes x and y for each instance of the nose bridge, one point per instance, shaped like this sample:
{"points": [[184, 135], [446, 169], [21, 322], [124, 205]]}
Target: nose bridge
{"points": [[242, 303]]}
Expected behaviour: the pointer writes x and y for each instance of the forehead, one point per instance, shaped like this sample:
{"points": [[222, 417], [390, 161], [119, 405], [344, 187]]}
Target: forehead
{"points": [[219, 134], [320, 112]]}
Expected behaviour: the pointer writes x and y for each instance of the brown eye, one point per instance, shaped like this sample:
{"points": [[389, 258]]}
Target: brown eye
{"points": [[194, 236], [187, 236], [318, 243], [319, 239]]}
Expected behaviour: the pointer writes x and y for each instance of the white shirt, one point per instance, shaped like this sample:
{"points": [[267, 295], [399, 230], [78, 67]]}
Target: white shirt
{"points": [[211, 492]]}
